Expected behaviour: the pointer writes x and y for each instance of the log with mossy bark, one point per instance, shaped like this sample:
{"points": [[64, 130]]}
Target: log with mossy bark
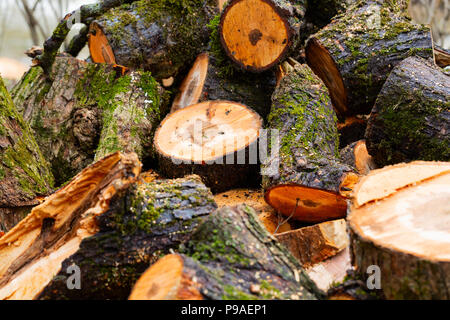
{"points": [[87, 111], [148, 220], [214, 139], [411, 117], [308, 181], [257, 34], [354, 54], [25, 174], [118, 225], [160, 36], [209, 79], [230, 256], [32, 251], [412, 250]]}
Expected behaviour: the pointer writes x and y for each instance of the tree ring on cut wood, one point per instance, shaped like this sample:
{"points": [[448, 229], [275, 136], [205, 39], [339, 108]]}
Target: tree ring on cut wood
{"points": [[255, 33], [307, 204], [213, 139]]}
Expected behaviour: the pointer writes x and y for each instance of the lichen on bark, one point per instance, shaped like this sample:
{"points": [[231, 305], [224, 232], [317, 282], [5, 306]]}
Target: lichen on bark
{"points": [[24, 172]]}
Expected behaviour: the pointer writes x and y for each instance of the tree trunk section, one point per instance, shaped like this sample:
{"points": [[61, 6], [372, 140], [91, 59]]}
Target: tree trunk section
{"points": [[309, 181], [214, 139], [148, 221], [355, 61], [413, 128], [230, 256], [32, 251], [257, 34], [24, 172], [88, 111], [163, 37], [208, 80], [412, 250], [442, 57], [311, 245]]}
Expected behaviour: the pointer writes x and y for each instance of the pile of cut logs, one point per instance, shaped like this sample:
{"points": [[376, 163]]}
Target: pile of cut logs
{"points": [[248, 149]]}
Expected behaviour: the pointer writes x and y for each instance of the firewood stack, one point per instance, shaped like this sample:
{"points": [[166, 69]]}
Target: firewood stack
{"points": [[290, 146]]}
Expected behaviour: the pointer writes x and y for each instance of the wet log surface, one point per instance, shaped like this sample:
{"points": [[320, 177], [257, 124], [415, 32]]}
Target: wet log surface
{"points": [[230, 256], [354, 54], [163, 37], [309, 181], [411, 117], [142, 223]]}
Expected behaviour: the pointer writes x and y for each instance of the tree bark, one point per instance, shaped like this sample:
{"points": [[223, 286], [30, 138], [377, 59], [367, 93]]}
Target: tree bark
{"points": [[231, 256], [214, 139], [411, 118], [411, 251], [24, 172], [257, 34], [32, 252], [354, 54], [209, 80], [143, 223], [163, 37], [88, 111], [311, 182]]}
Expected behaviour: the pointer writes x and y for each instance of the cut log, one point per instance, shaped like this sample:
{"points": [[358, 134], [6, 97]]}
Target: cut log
{"points": [[207, 80], [112, 232], [88, 111], [411, 118], [274, 223], [352, 129], [257, 34], [230, 256], [442, 57], [311, 245], [148, 221], [24, 172], [214, 139], [163, 37], [311, 183], [331, 271], [32, 252], [357, 156], [406, 231], [354, 54]]}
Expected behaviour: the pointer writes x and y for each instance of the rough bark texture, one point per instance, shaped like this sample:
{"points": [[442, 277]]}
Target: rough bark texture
{"points": [[236, 258], [411, 118], [141, 224], [24, 172], [309, 141], [86, 13], [160, 36], [403, 276], [32, 252], [88, 111], [355, 53]]}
